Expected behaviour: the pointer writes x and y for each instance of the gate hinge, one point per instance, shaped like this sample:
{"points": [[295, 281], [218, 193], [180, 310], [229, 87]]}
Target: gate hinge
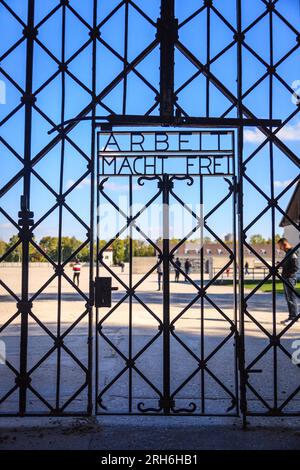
{"points": [[25, 215]]}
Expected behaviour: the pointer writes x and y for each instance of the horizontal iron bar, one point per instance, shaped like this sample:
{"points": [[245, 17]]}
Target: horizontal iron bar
{"points": [[140, 121], [193, 175], [266, 414], [166, 153], [175, 415], [128, 120], [172, 132], [85, 414]]}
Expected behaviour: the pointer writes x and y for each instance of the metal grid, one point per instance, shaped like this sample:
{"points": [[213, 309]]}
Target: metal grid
{"points": [[162, 104], [132, 363]]}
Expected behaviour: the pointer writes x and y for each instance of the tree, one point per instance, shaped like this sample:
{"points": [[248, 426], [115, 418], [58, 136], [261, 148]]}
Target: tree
{"points": [[276, 238], [68, 246], [118, 250], [49, 245], [34, 254], [2, 247], [16, 255], [84, 254], [257, 238]]}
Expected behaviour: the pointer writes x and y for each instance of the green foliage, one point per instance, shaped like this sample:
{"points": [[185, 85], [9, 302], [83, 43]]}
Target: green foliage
{"points": [[16, 254], [118, 251], [257, 238], [277, 237], [2, 247], [121, 249], [69, 245]]}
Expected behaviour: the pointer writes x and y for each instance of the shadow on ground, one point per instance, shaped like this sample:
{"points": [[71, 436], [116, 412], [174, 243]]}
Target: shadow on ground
{"points": [[136, 433]]}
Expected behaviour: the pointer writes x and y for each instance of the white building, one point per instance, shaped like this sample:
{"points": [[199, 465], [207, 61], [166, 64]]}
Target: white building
{"points": [[108, 256]]}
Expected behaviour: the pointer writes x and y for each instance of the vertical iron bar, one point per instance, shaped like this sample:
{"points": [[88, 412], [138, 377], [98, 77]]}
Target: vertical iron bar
{"points": [[125, 58], [235, 274], [25, 206], [92, 219], [167, 27], [240, 189], [166, 295], [271, 163], [130, 297], [202, 325], [60, 259], [208, 16], [97, 349]]}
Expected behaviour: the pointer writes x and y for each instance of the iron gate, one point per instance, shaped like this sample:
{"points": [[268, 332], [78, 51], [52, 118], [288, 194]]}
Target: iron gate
{"points": [[150, 367], [231, 80]]}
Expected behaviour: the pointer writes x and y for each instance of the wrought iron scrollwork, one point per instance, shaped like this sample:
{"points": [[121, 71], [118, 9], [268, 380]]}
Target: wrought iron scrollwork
{"points": [[189, 179], [192, 407], [141, 180], [143, 409]]}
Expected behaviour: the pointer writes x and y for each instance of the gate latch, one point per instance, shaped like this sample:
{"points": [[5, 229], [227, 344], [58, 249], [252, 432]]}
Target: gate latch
{"points": [[103, 289]]}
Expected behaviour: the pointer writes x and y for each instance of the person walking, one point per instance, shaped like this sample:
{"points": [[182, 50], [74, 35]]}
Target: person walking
{"points": [[122, 266], [177, 268], [76, 271], [187, 267], [246, 268], [290, 266]]}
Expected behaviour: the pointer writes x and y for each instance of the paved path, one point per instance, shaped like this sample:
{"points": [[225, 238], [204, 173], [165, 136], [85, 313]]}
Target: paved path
{"points": [[201, 331], [138, 433]]}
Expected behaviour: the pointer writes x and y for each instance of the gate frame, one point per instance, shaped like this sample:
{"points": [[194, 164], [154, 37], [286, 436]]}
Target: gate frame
{"points": [[169, 115], [166, 403]]}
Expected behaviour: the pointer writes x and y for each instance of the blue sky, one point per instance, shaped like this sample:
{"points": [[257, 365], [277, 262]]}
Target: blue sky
{"points": [[140, 98]]}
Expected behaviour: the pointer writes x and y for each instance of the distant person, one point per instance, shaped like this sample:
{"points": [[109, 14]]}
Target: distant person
{"points": [[187, 268], [76, 271], [290, 266], [159, 275], [227, 272], [122, 266], [246, 268], [177, 269]]}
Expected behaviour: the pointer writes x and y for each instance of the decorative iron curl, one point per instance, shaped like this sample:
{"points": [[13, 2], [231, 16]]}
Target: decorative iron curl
{"points": [[230, 184], [141, 407], [101, 184], [190, 181], [141, 179], [191, 409], [233, 404], [100, 403]]}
